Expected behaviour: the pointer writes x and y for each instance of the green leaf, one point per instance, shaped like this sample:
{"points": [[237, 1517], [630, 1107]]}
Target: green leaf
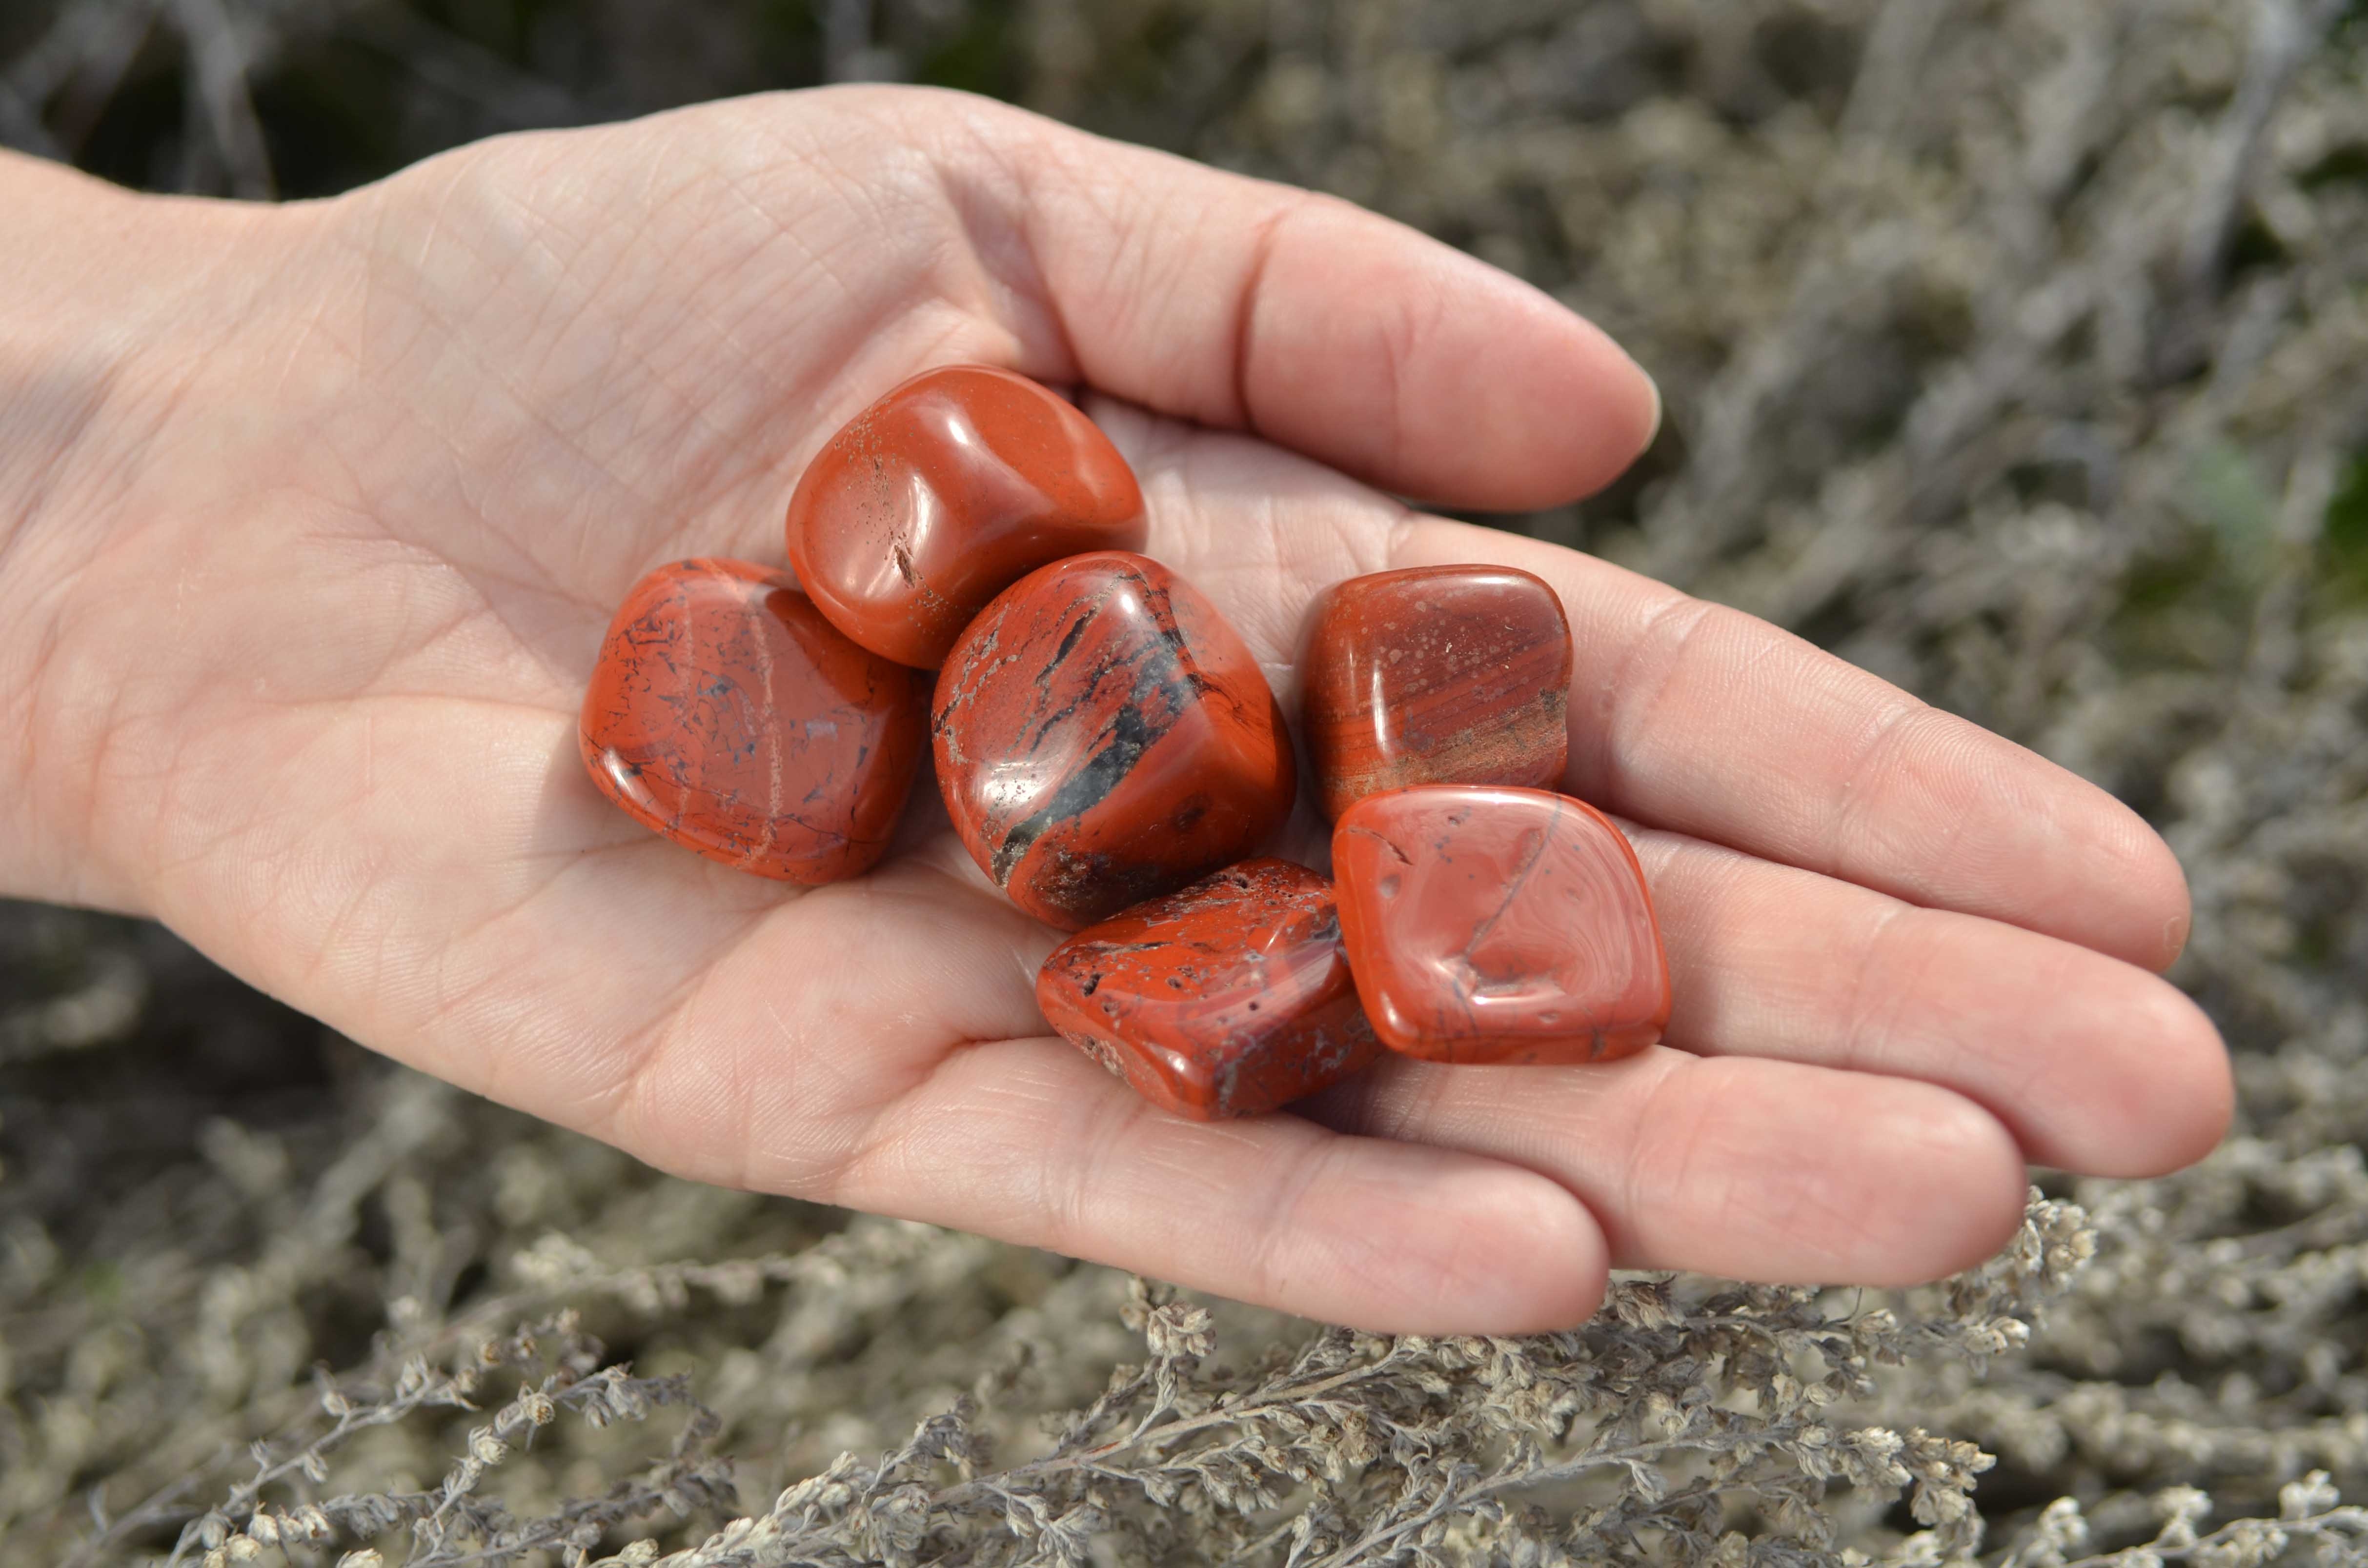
{"points": [[2345, 536], [2226, 495]]}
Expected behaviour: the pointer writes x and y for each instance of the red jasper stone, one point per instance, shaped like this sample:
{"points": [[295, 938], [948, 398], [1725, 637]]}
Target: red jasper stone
{"points": [[1104, 737], [727, 715], [1499, 926], [947, 490], [1229, 998], [1436, 675]]}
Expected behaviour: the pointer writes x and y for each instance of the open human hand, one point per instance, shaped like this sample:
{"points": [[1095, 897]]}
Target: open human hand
{"points": [[314, 516]]}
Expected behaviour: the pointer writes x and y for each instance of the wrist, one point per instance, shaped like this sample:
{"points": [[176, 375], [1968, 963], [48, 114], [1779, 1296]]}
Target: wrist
{"points": [[114, 302]]}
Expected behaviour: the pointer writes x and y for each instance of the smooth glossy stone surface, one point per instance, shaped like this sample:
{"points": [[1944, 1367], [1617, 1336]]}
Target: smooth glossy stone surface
{"points": [[1436, 675], [1104, 737], [1501, 925], [1229, 998], [728, 715], [941, 495]]}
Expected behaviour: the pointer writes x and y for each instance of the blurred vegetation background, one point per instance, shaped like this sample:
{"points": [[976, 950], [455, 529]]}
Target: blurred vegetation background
{"points": [[2017, 350]]}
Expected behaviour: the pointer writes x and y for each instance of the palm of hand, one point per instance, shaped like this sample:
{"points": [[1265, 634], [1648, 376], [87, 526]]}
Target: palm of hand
{"points": [[528, 372]]}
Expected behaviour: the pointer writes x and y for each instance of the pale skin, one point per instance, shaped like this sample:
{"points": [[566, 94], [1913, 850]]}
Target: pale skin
{"points": [[312, 518]]}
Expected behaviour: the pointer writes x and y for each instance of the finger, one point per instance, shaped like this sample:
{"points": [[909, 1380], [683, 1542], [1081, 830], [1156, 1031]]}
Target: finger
{"points": [[1327, 329], [1692, 717], [1704, 719], [2094, 1065], [1027, 1141], [1745, 1168]]}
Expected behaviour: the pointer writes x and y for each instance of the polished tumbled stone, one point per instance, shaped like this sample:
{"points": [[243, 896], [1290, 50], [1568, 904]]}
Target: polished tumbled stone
{"points": [[1228, 998], [1103, 738], [1435, 675], [951, 487], [727, 715], [1491, 924]]}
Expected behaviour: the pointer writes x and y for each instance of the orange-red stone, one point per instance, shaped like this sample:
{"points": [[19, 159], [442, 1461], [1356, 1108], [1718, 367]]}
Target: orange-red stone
{"points": [[1498, 926], [947, 490], [727, 715], [1229, 998], [1104, 737], [1436, 675]]}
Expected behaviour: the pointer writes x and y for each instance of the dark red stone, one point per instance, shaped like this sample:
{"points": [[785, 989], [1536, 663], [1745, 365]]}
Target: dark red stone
{"points": [[1104, 737], [938, 496], [1436, 675], [1498, 926], [1229, 998], [728, 715]]}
